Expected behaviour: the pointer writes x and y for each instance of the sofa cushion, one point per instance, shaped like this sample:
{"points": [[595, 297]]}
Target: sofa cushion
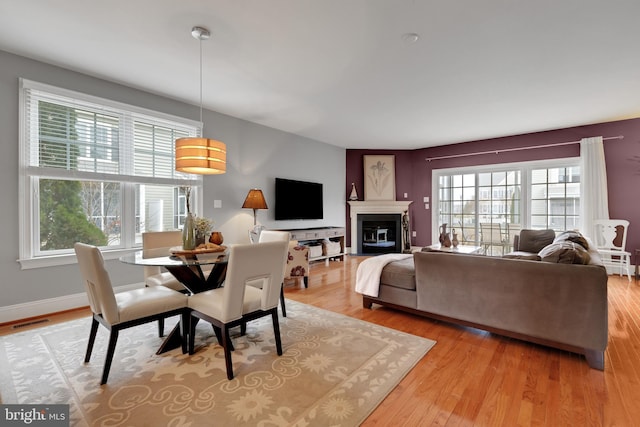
{"points": [[400, 274], [534, 240], [565, 252], [572, 236]]}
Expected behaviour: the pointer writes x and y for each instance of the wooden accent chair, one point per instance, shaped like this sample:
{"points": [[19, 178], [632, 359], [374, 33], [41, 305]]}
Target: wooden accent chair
{"points": [[610, 239]]}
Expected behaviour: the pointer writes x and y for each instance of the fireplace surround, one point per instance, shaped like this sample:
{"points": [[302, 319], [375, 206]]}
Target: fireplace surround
{"points": [[361, 211], [379, 233]]}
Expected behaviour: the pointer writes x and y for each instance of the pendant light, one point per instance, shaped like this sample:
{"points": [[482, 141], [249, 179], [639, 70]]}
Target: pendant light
{"points": [[199, 155]]}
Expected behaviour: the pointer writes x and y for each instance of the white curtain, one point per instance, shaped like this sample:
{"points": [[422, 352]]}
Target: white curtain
{"points": [[594, 198]]}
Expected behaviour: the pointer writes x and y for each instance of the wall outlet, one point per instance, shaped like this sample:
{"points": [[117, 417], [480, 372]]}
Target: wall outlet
{"points": [[425, 199], [217, 204], [414, 234], [406, 195], [426, 206]]}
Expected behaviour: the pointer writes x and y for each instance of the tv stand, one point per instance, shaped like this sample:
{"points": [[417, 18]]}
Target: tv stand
{"points": [[314, 237]]}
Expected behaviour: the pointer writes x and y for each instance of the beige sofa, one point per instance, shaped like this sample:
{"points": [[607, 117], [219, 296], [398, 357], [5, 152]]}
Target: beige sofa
{"points": [[549, 303]]}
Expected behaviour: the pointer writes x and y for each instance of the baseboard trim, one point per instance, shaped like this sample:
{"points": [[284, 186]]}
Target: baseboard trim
{"points": [[17, 312]]}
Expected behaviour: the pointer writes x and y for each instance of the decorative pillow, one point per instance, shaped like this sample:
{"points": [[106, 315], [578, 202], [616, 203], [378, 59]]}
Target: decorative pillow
{"points": [[565, 252], [572, 236]]}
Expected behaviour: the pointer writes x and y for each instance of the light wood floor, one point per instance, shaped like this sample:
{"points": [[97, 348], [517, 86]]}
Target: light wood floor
{"points": [[476, 378]]}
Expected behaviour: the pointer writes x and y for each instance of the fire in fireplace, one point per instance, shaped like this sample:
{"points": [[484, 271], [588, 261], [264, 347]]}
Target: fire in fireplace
{"points": [[379, 233]]}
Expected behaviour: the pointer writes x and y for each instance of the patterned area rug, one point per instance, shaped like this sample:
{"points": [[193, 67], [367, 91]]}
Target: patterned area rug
{"points": [[334, 371]]}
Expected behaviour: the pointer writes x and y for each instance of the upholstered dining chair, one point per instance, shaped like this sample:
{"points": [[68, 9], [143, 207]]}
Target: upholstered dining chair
{"points": [[117, 311], [297, 263], [276, 236], [297, 260], [156, 276], [238, 301], [610, 239]]}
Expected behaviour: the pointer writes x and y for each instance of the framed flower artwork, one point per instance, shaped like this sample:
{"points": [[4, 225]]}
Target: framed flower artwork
{"points": [[379, 177]]}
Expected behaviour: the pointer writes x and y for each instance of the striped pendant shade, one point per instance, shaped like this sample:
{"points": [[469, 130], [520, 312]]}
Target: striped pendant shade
{"points": [[201, 156]]}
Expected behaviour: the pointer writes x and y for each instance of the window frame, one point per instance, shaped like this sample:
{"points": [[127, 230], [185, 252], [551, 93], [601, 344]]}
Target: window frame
{"points": [[29, 176], [525, 169]]}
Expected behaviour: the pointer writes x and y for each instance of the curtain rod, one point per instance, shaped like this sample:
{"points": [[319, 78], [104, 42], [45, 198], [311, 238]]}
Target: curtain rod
{"points": [[504, 150]]}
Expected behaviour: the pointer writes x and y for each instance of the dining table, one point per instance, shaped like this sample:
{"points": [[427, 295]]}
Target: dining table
{"points": [[197, 270]]}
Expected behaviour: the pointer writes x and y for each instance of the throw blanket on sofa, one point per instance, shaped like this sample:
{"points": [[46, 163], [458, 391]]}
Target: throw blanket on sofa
{"points": [[369, 270]]}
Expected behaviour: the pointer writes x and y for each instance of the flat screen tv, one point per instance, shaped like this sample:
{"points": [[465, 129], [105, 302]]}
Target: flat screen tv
{"points": [[298, 199]]}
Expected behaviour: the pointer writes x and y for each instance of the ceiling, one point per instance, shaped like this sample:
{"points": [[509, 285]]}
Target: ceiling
{"points": [[341, 72]]}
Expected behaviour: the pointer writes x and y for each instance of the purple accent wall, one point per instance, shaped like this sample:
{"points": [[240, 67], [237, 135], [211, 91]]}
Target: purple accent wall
{"points": [[413, 172]]}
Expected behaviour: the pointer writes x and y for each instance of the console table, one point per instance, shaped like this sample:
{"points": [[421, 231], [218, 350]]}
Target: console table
{"points": [[314, 237]]}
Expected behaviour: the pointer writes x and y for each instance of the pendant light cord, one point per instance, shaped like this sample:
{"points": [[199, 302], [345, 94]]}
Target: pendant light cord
{"points": [[201, 122]]}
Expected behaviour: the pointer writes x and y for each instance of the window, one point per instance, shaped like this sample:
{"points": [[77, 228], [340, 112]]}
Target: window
{"points": [[95, 171], [555, 198], [535, 195]]}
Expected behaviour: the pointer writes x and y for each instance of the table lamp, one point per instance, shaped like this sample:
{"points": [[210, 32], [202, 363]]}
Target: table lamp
{"points": [[255, 200]]}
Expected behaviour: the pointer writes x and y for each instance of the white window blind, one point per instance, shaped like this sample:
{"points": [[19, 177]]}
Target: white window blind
{"points": [[107, 137], [118, 158]]}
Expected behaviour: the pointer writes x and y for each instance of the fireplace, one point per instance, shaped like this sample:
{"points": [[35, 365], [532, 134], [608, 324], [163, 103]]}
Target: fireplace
{"points": [[379, 233], [376, 226]]}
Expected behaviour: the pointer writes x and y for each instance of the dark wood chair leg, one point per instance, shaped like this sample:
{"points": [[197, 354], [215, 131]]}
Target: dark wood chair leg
{"points": [[284, 308], [218, 333], [227, 351], [160, 328], [276, 330], [92, 339], [185, 324], [193, 321], [113, 339], [305, 279]]}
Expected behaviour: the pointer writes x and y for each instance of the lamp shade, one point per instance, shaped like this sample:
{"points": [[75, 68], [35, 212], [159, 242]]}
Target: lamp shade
{"points": [[201, 156], [255, 200]]}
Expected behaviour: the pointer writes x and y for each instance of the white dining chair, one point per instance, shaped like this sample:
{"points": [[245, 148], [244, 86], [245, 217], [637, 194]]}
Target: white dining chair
{"points": [[275, 236], [238, 302], [157, 276], [117, 311]]}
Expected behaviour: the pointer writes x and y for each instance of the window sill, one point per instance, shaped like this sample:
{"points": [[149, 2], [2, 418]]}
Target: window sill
{"points": [[66, 259]]}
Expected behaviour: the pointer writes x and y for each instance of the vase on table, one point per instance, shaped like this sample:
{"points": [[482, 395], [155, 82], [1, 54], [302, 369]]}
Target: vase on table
{"points": [[454, 239], [444, 239], [189, 233], [216, 238]]}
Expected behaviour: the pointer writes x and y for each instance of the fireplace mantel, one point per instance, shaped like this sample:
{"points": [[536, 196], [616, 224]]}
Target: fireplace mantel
{"points": [[373, 207]]}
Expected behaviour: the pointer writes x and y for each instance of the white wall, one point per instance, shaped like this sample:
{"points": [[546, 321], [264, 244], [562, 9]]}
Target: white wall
{"points": [[256, 155]]}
